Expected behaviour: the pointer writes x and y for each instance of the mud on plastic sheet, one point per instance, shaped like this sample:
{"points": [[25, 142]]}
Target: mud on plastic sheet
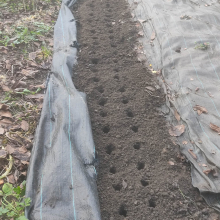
{"points": [[182, 38], [62, 176]]}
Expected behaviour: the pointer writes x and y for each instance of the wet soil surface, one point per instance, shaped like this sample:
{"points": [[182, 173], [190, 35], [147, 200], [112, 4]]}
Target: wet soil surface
{"points": [[141, 173]]}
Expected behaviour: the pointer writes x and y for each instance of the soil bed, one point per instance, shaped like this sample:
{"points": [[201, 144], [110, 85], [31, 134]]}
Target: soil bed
{"points": [[141, 173]]}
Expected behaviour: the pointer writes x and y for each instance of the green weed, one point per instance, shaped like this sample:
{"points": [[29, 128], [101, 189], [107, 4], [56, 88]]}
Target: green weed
{"points": [[202, 46], [13, 202]]}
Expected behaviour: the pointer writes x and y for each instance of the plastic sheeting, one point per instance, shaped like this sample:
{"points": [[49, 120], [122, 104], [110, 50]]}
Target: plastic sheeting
{"points": [[182, 38], [61, 179]]}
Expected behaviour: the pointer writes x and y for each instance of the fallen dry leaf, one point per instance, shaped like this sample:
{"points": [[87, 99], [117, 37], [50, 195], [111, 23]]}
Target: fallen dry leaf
{"points": [[215, 128], [204, 165], [5, 121], [153, 35], [2, 131], [185, 142], [171, 163], [197, 89], [193, 155], [177, 116], [32, 55], [124, 184], [36, 96], [28, 72], [7, 64], [6, 114], [10, 149], [141, 33], [150, 88], [3, 153], [200, 109], [142, 21], [207, 171], [4, 107], [1, 182], [24, 125], [11, 179], [5, 88], [176, 130]]}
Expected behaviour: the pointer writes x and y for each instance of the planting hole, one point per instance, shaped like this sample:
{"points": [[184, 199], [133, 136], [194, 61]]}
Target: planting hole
{"points": [[124, 100], [116, 77], [95, 60], [137, 145], [95, 79], [130, 113], [144, 182], [117, 187], [110, 148], [100, 89], [112, 170], [122, 89], [103, 114], [152, 203], [102, 101], [122, 211], [140, 165], [106, 129], [134, 129]]}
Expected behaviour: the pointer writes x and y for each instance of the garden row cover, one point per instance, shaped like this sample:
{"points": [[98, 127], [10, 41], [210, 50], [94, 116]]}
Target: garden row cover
{"points": [[182, 38], [61, 179]]}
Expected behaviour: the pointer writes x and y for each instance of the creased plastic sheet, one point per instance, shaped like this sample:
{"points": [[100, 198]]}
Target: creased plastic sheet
{"points": [[182, 38], [61, 179]]}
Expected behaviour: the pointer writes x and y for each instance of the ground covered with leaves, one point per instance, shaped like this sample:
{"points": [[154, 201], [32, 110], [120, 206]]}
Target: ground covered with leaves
{"points": [[26, 44]]}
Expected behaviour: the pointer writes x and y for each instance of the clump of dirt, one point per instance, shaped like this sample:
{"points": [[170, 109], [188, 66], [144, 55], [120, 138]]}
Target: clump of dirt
{"points": [[141, 174]]}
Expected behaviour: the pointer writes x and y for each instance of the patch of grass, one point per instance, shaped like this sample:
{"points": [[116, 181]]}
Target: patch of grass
{"points": [[13, 202], [28, 92], [202, 46], [8, 97], [23, 34], [45, 53]]}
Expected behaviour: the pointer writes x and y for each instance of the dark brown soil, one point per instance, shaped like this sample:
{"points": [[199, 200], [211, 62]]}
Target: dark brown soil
{"points": [[141, 174]]}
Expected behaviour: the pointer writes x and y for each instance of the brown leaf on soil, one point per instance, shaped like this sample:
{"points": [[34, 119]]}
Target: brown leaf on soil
{"points": [[24, 125], [215, 128], [142, 21], [6, 114], [5, 88], [24, 173], [153, 35], [207, 171], [177, 116], [7, 64], [185, 142], [4, 107], [36, 96], [200, 109], [141, 33], [192, 154], [177, 130], [28, 72], [11, 179], [3, 153], [22, 154], [31, 63], [1, 182], [2, 131], [5, 121], [32, 55], [18, 83], [171, 163], [10, 149], [24, 162], [204, 165]]}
